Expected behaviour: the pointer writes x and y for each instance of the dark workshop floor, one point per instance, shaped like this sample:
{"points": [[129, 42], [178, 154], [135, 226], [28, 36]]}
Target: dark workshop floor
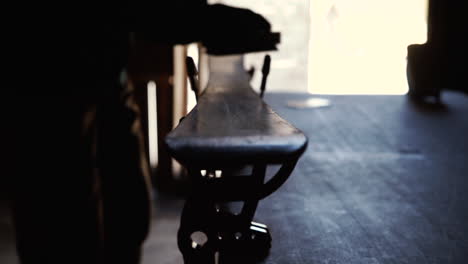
{"points": [[383, 181]]}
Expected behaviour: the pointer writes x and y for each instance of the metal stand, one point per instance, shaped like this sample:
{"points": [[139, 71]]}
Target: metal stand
{"points": [[209, 230], [226, 143]]}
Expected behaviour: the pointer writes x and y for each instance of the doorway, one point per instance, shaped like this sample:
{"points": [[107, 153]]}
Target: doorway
{"points": [[359, 46]]}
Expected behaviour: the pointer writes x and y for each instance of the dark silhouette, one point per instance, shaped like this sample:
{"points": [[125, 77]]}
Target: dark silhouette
{"points": [[79, 191], [437, 65]]}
